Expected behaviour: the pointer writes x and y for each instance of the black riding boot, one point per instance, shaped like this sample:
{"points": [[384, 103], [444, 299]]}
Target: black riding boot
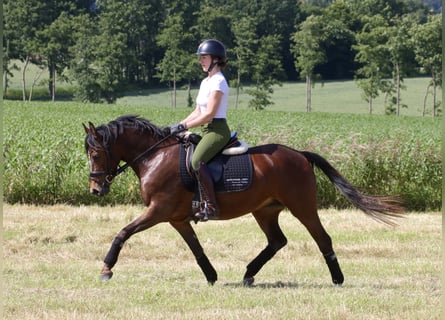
{"points": [[208, 208]]}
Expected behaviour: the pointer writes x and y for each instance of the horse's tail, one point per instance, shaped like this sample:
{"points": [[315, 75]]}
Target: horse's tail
{"points": [[381, 208]]}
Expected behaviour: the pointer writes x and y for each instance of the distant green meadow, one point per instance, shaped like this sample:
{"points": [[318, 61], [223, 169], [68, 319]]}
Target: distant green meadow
{"points": [[327, 96], [45, 160]]}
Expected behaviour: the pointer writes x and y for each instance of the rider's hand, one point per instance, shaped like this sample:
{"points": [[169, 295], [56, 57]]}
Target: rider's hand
{"points": [[176, 128]]}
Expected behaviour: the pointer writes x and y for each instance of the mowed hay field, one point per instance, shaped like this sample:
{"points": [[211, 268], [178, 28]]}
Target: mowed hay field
{"points": [[53, 256]]}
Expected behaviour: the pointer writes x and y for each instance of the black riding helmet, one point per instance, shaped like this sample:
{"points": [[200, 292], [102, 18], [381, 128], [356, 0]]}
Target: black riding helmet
{"points": [[214, 48]]}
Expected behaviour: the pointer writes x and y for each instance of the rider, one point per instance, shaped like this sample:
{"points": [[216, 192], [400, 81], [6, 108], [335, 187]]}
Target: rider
{"points": [[210, 114]]}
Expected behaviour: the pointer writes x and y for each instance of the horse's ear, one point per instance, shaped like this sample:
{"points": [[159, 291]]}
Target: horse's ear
{"points": [[92, 129], [86, 129]]}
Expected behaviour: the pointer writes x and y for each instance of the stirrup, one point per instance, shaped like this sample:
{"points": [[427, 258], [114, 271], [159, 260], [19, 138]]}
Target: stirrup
{"points": [[203, 213], [202, 216]]}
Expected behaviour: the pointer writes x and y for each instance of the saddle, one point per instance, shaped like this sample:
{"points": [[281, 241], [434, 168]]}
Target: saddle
{"points": [[231, 169]]}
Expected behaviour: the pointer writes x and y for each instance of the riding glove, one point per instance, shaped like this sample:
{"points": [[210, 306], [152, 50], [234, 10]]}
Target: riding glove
{"points": [[176, 128]]}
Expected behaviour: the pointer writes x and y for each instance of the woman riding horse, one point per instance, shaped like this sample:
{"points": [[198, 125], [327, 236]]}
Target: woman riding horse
{"points": [[282, 178]]}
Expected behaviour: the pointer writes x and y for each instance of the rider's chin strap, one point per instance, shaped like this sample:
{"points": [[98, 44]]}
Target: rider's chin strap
{"points": [[212, 65]]}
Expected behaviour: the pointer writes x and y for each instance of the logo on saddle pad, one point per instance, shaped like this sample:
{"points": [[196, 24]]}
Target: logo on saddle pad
{"points": [[230, 173]]}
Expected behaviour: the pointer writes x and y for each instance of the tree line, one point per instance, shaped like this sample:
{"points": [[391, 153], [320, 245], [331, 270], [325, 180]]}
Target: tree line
{"points": [[106, 47]]}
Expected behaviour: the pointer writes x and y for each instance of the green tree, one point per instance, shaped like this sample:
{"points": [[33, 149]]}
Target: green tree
{"points": [[245, 42], [55, 36], [389, 9], [340, 26], [22, 21], [427, 40], [401, 55], [97, 76], [308, 51], [176, 63], [83, 70], [110, 52], [124, 49], [269, 18], [140, 21], [266, 72], [116, 46], [213, 22], [372, 56], [55, 40], [317, 38], [121, 48], [37, 32]]}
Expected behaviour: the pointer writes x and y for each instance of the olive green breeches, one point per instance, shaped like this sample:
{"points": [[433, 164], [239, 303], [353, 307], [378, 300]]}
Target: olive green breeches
{"points": [[215, 136]]}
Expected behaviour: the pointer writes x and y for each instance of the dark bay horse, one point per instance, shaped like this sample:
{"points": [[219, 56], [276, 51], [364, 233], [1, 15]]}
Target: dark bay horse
{"points": [[282, 178]]}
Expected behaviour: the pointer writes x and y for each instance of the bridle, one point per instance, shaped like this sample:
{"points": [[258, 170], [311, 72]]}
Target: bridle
{"points": [[110, 174]]}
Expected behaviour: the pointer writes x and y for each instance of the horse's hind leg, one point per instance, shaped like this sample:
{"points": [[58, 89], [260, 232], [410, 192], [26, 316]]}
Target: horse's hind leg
{"points": [[267, 219], [313, 224]]}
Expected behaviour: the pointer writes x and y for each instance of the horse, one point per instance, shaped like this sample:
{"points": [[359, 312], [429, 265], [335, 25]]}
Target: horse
{"points": [[282, 178]]}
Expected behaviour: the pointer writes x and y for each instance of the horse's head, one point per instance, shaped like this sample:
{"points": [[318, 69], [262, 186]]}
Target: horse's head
{"points": [[103, 166], [128, 138]]}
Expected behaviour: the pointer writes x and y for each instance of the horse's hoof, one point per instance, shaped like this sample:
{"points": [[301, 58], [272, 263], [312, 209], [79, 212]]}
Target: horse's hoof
{"points": [[247, 282], [106, 276], [337, 283]]}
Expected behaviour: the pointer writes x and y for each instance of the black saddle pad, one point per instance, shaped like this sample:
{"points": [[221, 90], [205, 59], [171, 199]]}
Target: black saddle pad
{"points": [[230, 173]]}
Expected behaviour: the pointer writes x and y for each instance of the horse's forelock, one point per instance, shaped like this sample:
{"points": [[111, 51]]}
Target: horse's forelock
{"points": [[93, 143]]}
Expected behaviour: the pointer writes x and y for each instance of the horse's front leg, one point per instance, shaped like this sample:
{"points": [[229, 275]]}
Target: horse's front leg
{"points": [[145, 221], [111, 258], [188, 234]]}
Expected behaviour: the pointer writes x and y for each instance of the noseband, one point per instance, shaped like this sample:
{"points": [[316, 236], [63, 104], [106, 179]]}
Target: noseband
{"points": [[109, 176]]}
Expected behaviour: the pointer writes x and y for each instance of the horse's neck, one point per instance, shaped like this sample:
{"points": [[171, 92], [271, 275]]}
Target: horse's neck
{"points": [[140, 147]]}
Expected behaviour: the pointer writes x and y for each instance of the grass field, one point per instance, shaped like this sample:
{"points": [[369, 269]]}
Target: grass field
{"points": [[53, 255]]}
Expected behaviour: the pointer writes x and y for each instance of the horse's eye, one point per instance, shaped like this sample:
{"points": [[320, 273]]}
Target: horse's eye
{"points": [[94, 156]]}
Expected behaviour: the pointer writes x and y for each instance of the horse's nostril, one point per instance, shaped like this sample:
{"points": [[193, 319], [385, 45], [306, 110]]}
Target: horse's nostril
{"points": [[100, 192]]}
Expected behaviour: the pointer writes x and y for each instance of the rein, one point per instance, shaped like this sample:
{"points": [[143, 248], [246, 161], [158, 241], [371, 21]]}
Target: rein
{"points": [[111, 174], [121, 169]]}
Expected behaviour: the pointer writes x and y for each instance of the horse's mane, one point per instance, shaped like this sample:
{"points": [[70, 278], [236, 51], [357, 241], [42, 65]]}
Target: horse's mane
{"points": [[112, 130]]}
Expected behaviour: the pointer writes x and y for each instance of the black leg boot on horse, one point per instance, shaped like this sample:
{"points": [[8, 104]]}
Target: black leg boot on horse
{"points": [[208, 208]]}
